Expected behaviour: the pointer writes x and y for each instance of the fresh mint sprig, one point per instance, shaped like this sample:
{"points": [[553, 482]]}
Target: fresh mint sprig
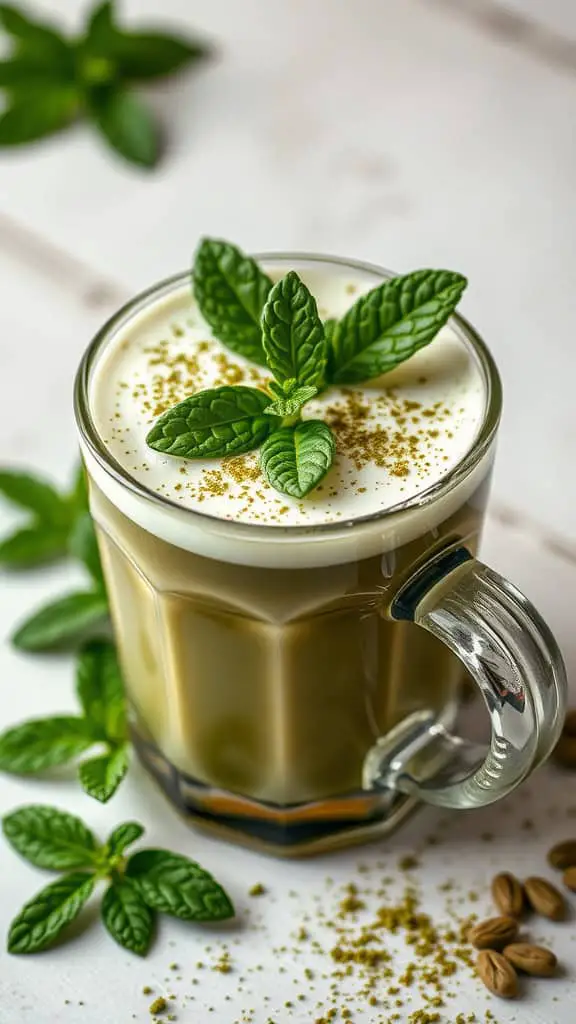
{"points": [[138, 887], [278, 326], [37, 745], [51, 79]]}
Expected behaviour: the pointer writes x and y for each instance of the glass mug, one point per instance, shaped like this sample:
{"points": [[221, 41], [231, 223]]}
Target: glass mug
{"points": [[299, 709]]}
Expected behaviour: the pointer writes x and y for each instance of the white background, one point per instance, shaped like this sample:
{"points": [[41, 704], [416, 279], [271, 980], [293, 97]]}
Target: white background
{"points": [[427, 132]]}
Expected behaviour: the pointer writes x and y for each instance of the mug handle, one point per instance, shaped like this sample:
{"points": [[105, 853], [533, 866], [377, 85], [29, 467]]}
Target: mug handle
{"points": [[514, 660]]}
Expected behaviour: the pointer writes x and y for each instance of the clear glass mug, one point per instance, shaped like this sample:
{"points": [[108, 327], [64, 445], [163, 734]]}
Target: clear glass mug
{"points": [[299, 709]]}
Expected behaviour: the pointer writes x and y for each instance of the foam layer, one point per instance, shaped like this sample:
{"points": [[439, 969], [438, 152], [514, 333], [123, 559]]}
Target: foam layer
{"points": [[396, 439]]}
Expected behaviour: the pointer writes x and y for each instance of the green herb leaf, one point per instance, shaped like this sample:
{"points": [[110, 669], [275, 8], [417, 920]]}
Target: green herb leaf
{"points": [[142, 56], [127, 917], [290, 405], [34, 494], [231, 289], [122, 836], [31, 32], [33, 546], [43, 743], [293, 333], [26, 73], [126, 124], [330, 327], [50, 838], [100, 690], [63, 622], [78, 497], [101, 776], [43, 918], [172, 884], [100, 27], [295, 459], [217, 422], [84, 547], [391, 322], [36, 114], [330, 330]]}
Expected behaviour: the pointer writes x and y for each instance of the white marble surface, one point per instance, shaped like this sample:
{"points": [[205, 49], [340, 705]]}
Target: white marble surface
{"points": [[413, 133]]}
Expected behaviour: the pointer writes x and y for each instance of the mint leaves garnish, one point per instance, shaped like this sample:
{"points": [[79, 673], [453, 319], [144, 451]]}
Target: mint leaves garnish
{"points": [[138, 886], [390, 323], [278, 326], [231, 289], [43, 743], [50, 79]]}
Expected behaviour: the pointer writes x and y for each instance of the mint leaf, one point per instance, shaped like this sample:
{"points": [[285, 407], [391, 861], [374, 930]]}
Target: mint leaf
{"points": [[290, 405], [295, 459], [220, 421], [126, 124], [126, 917], [122, 836], [172, 884], [231, 289], [101, 776], [43, 918], [34, 494], [391, 322], [100, 690], [43, 743], [39, 46], [84, 547], [49, 838], [77, 499], [26, 73], [142, 56], [34, 115], [63, 622], [293, 333], [100, 26], [30, 32], [329, 327], [33, 546]]}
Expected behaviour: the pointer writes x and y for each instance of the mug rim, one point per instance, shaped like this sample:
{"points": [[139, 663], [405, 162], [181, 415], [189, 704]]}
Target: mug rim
{"points": [[91, 438]]}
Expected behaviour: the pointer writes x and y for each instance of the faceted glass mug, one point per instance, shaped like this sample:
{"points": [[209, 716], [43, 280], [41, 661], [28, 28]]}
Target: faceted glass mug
{"points": [[303, 708]]}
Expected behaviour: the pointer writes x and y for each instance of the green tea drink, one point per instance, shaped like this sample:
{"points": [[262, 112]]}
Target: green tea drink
{"points": [[252, 626]]}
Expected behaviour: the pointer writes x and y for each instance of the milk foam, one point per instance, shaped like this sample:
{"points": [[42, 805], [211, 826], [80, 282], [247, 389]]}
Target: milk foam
{"points": [[396, 438]]}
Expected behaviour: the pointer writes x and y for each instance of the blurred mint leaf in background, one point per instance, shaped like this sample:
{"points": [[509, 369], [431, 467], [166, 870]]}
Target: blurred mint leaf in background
{"points": [[50, 79]]}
